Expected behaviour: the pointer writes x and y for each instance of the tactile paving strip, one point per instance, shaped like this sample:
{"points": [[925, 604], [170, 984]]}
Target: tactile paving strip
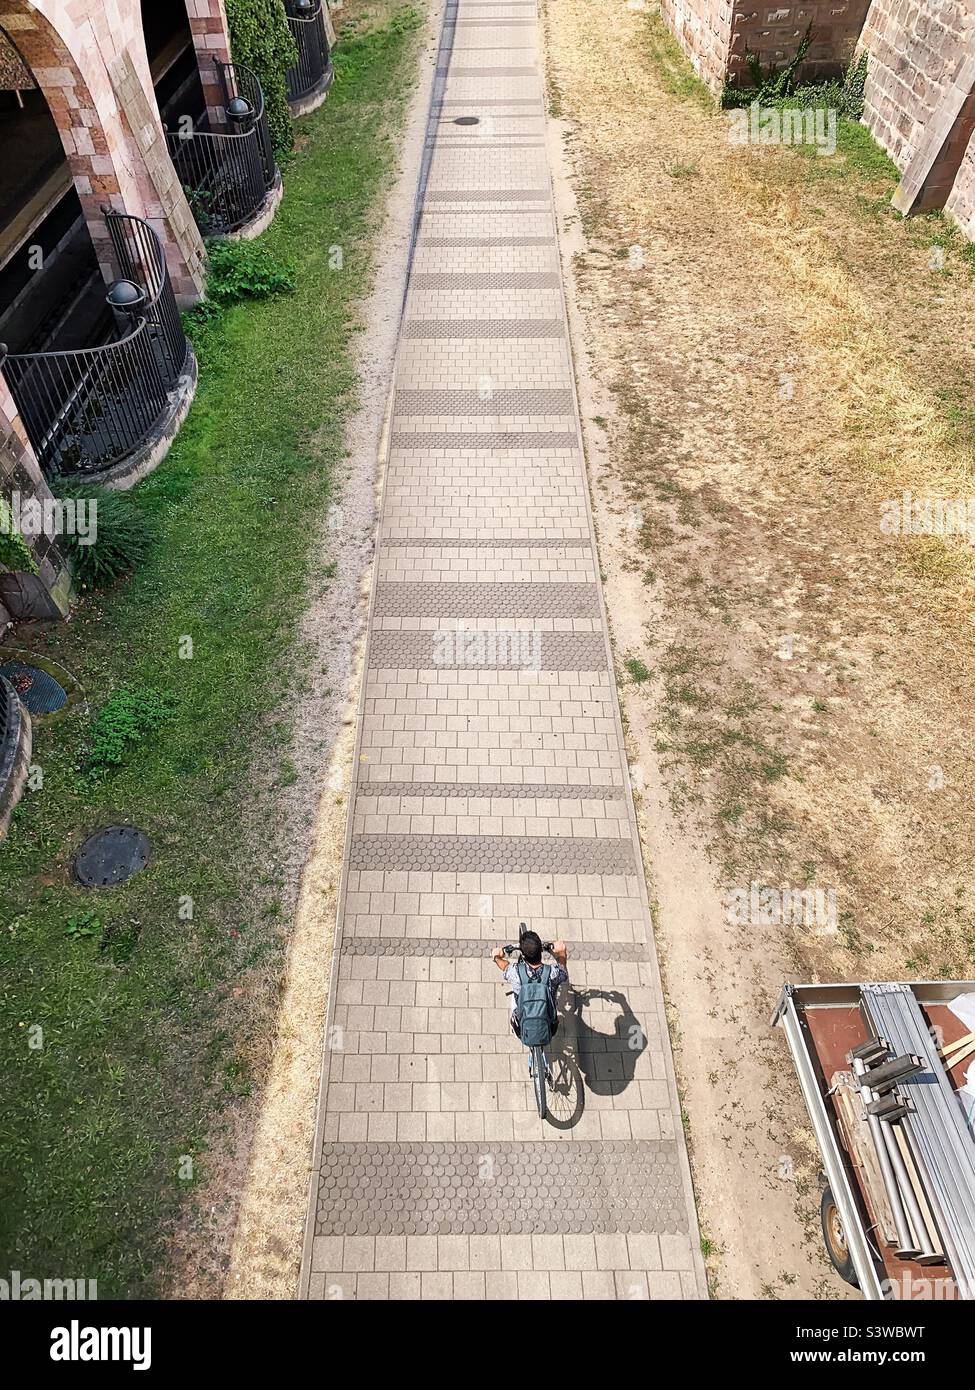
{"points": [[402, 599], [497, 441], [488, 195], [496, 543], [488, 280], [483, 328], [491, 854], [426, 651], [445, 948], [624, 1186], [445, 241], [506, 401], [527, 791]]}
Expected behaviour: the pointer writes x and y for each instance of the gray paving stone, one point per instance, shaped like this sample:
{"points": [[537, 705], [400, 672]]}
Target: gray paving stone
{"points": [[492, 854], [556, 651], [482, 328], [449, 948], [491, 786], [461, 600], [441, 1195]]}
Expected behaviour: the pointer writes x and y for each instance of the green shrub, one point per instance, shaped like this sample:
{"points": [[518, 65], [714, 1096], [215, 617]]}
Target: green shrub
{"points": [[123, 532], [245, 270], [14, 551], [260, 38], [124, 719]]}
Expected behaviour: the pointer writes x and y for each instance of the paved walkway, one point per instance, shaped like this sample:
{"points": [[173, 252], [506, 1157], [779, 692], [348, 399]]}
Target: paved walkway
{"points": [[492, 786]]}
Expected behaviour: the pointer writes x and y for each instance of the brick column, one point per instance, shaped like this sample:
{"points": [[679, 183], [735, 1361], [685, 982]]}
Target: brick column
{"points": [[211, 39], [48, 593]]}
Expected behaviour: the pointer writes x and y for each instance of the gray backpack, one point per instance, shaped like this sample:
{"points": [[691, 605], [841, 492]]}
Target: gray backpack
{"points": [[536, 1009]]}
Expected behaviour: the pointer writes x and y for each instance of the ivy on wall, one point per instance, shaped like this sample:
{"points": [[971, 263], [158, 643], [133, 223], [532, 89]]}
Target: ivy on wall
{"points": [[260, 38]]}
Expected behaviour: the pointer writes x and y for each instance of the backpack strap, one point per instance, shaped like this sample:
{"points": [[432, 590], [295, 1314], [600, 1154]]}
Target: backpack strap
{"points": [[523, 972]]}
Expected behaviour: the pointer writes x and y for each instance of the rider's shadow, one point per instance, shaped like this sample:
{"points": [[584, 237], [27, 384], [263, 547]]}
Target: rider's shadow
{"points": [[585, 1056]]}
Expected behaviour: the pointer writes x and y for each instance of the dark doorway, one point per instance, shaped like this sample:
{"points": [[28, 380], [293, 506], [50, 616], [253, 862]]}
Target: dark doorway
{"points": [[173, 61], [51, 291]]}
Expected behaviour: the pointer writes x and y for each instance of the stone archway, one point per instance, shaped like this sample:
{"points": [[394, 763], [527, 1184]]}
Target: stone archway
{"points": [[100, 176], [88, 67]]}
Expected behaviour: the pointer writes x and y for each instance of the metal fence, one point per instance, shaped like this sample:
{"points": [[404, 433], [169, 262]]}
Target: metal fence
{"points": [[314, 65], [227, 171], [85, 409]]}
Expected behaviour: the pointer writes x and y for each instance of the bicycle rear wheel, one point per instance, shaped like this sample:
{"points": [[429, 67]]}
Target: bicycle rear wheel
{"points": [[538, 1077]]}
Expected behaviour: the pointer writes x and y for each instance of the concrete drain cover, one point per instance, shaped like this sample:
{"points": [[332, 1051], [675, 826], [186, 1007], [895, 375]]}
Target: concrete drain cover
{"points": [[112, 855], [41, 693], [467, 120]]}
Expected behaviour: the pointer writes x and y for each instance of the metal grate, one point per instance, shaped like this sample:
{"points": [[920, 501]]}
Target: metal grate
{"points": [[38, 692]]}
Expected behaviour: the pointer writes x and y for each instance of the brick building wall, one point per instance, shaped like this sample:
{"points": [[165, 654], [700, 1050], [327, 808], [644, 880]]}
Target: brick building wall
{"points": [[76, 51], [917, 54], [961, 200], [914, 48], [774, 32], [703, 29], [89, 59], [718, 34]]}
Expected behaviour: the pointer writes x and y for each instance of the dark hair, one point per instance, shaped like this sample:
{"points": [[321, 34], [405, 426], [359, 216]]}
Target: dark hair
{"points": [[531, 947]]}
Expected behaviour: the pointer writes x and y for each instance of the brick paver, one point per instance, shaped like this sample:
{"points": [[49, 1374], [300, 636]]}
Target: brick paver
{"points": [[492, 786]]}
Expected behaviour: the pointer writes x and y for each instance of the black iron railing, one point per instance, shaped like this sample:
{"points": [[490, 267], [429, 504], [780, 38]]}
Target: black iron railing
{"points": [[9, 722], [314, 66], [85, 409], [226, 164]]}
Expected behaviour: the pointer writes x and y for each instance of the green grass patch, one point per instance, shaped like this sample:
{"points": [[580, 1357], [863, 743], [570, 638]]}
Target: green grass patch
{"points": [[676, 75], [637, 670], [114, 1042]]}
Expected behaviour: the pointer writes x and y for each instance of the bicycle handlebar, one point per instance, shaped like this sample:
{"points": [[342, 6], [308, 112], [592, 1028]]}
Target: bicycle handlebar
{"points": [[546, 946]]}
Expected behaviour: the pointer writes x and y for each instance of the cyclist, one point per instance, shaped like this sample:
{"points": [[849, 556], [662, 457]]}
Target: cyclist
{"points": [[531, 957]]}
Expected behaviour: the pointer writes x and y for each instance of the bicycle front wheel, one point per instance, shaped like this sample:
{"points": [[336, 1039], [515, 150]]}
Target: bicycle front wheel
{"points": [[538, 1077]]}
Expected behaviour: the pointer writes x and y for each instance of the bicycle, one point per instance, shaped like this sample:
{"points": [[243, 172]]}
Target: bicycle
{"points": [[538, 1063]]}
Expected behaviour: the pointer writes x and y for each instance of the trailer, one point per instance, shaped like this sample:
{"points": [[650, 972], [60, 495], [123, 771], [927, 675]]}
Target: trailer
{"points": [[884, 1071]]}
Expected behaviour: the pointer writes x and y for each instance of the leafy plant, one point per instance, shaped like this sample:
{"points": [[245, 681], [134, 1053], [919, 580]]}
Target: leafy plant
{"points": [[82, 924], [126, 717], [123, 534], [637, 670], [260, 38], [245, 270], [771, 84], [854, 86], [14, 551]]}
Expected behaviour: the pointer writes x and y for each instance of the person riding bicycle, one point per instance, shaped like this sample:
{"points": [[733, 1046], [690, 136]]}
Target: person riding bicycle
{"points": [[531, 961]]}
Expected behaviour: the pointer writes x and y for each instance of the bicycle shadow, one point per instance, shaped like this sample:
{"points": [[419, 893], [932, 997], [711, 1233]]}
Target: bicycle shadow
{"points": [[585, 1058]]}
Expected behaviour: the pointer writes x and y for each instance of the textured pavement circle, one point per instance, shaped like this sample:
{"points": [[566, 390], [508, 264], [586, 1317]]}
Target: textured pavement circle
{"points": [[491, 785]]}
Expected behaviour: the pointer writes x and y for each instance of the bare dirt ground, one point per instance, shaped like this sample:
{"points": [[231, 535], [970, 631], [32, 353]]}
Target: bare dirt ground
{"points": [[766, 355], [241, 1235]]}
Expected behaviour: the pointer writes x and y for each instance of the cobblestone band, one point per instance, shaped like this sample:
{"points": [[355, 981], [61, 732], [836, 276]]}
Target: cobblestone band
{"points": [[400, 599], [491, 854], [501, 1188], [429, 651]]}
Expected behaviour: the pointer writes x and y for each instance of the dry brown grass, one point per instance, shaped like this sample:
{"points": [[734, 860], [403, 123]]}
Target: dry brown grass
{"points": [[785, 361], [761, 513]]}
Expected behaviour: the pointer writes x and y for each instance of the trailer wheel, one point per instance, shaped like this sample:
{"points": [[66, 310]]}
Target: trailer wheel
{"points": [[835, 1237]]}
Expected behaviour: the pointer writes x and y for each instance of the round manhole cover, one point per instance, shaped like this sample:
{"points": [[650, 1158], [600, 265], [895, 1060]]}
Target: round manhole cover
{"points": [[467, 120], [41, 693], [112, 855]]}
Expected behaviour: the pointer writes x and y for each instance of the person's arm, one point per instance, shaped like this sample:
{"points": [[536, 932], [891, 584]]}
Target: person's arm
{"points": [[500, 959], [561, 953]]}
